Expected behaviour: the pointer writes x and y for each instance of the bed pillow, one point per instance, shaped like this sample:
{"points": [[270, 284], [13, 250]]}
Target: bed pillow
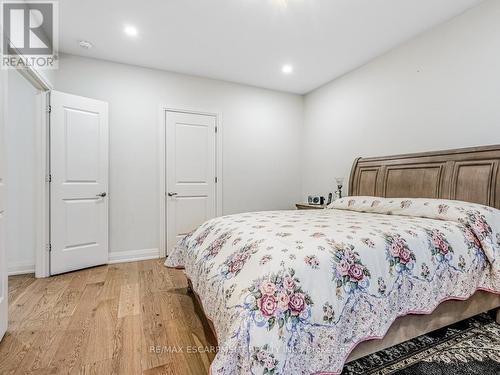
{"points": [[482, 221]]}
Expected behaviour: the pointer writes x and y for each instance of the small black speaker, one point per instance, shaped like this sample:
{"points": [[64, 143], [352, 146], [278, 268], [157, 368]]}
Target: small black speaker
{"points": [[316, 199]]}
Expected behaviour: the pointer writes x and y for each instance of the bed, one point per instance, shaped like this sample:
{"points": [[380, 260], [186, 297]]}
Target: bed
{"points": [[415, 247]]}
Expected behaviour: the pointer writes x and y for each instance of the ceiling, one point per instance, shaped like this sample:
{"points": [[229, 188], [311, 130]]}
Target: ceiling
{"points": [[248, 41]]}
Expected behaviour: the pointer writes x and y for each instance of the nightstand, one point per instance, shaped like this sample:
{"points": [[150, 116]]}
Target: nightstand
{"points": [[306, 206]]}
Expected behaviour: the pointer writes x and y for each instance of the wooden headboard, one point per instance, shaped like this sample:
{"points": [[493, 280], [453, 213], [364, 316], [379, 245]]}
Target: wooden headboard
{"points": [[468, 174]]}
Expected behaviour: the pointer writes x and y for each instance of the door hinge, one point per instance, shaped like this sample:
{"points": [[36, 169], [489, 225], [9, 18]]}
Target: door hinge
{"points": [[49, 109], [49, 247], [216, 129], [216, 180], [49, 178]]}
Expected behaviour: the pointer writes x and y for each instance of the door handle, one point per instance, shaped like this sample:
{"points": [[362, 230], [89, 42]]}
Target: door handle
{"points": [[171, 194], [102, 195]]}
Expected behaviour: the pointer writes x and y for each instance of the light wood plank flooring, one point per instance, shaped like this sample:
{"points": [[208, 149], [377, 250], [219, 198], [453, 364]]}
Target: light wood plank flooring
{"points": [[104, 320]]}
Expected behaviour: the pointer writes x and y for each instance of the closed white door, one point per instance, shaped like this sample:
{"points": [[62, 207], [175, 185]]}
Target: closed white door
{"points": [[191, 172], [79, 186], [3, 257]]}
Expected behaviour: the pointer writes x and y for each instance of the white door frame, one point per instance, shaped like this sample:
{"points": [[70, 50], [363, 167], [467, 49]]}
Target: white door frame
{"points": [[42, 168], [42, 188], [4, 280], [162, 148]]}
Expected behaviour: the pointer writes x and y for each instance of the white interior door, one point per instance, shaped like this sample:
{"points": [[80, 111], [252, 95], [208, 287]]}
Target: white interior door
{"points": [[191, 172], [3, 257], [79, 187]]}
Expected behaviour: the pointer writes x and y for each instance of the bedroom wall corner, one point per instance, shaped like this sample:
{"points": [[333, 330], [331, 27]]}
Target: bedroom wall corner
{"points": [[261, 138], [439, 90]]}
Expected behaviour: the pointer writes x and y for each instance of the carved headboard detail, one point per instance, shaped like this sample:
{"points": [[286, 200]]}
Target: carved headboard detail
{"points": [[468, 174]]}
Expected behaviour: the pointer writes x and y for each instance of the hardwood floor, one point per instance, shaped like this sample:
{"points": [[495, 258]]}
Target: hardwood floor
{"points": [[130, 318]]}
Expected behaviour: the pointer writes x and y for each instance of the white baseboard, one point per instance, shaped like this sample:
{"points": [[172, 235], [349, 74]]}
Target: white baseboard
{"points": [[20, 268], [133, 255]]}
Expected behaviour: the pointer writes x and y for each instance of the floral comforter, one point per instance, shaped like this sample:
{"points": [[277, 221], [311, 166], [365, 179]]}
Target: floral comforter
{"points": [[293, 292]]}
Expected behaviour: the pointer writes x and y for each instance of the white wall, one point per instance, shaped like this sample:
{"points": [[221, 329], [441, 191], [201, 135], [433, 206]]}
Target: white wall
{"points": [[440, 90], [20, 147], [261, 140]]}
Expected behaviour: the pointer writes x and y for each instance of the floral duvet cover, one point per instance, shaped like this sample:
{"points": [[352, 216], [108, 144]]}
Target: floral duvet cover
{"points": [[293, 292]]}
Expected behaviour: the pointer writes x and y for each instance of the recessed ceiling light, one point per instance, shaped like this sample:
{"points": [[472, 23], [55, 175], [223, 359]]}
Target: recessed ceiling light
{"points": [[85, 44], [287, 69], [282, 3], [130, 30]]}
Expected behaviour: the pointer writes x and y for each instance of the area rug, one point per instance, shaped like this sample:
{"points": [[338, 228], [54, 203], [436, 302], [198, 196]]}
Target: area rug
{"points": [[471, 347]]}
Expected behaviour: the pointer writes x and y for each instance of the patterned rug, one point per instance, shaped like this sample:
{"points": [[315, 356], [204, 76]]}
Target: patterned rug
{"points": [[471, 347]]}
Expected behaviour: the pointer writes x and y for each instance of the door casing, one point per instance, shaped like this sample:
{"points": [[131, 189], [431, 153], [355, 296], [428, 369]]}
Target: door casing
{"points": [[4, 281], [42, 168], [42, 199], [162, 147]]}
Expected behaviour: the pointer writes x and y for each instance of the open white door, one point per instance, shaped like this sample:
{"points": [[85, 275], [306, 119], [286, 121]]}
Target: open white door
{"points": [[191, 172], [3, 257], [79, 187]]}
